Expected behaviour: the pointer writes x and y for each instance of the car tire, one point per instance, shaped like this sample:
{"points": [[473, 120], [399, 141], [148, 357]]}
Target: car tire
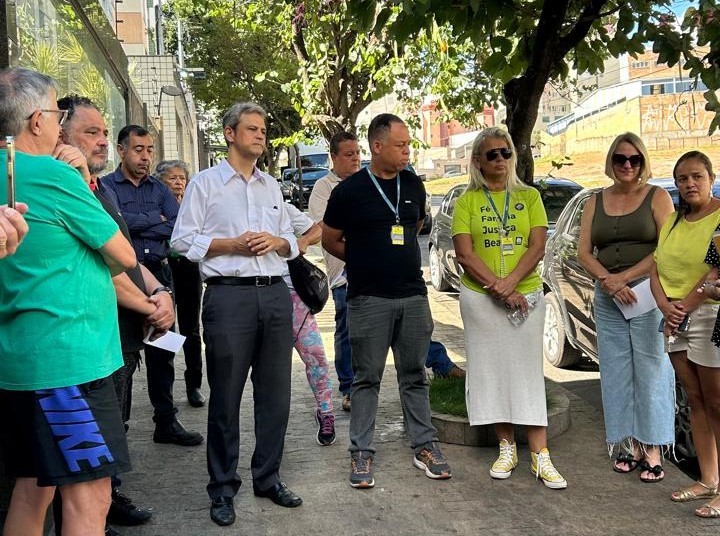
{"points": [[684, 445], [437, 272], [557, 350]]}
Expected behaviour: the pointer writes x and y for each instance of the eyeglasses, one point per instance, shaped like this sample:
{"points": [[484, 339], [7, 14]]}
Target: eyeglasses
{"points": [[63, 114], [635, 160], [492, 154]]}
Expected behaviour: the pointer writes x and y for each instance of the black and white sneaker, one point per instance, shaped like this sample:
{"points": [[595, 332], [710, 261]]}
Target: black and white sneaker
{"points": [[326, 428]]}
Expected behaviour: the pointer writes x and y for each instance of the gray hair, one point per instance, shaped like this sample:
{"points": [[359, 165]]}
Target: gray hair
{"points": [[232, 117], [22, 92], [477, 181], [166, 165]]}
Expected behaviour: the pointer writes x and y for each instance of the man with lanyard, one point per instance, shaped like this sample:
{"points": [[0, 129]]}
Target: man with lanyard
{"points": [[149, 209], [233, 223], [345, 154], [371, 222]]}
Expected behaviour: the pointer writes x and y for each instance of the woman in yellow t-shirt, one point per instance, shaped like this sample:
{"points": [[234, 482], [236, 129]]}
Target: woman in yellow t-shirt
{"points": [[689, 317], [499, 230]]}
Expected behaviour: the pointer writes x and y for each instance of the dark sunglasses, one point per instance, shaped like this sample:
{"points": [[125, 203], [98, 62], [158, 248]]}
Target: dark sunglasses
{"points": [[492, 154], [635, 160]]}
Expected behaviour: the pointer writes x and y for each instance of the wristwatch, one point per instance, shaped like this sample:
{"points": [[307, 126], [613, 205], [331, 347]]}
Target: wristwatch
{"points": [[162, 289]]}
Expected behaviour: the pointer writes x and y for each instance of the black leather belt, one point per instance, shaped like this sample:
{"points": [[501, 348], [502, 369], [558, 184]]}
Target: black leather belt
{"points": [[255, 281]]}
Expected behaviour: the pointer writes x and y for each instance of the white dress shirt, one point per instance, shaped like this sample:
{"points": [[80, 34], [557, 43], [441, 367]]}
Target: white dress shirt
{"points": [[219, 203]]}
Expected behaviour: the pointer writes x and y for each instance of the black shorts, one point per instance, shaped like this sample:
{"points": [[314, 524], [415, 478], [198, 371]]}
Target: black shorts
{"points": [[65, 435]]}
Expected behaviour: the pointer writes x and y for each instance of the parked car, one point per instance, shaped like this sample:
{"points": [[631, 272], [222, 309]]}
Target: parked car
{"points": [[445, 271], [570, 316], [310, 175]]}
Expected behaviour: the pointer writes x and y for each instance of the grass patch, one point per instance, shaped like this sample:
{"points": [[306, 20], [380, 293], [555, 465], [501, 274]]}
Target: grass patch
{"points": [[447, 395]]}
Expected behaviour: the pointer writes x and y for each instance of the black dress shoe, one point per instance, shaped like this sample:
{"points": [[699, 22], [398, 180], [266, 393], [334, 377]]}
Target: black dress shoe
{"points": [[222, 511], [280, 495], [175, 433], [124, 512], [195, 397]]}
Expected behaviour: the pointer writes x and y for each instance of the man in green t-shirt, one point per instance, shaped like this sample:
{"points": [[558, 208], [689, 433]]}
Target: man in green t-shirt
{"points": [[59, 339]]}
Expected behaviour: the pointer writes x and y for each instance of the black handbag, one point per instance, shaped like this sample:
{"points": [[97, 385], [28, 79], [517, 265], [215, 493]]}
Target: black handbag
{"points": [[310, 283]]}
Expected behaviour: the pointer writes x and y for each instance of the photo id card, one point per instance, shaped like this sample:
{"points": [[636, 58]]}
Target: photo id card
{"points": [[506, 245], [397, 235]]}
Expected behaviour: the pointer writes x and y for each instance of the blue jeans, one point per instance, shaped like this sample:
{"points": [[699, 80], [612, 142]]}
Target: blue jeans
{"points": [[636, 376], [376, 325], [438, 359], [343, 361]]}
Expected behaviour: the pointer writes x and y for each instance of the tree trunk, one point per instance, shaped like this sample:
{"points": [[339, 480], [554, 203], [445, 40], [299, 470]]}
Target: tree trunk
{"points": [[522, 109]]}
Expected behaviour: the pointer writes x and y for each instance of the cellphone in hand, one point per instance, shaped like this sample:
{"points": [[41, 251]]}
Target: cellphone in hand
{"points": [[682, 327]]}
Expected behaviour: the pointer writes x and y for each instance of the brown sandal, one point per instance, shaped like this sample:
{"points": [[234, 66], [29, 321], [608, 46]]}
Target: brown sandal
{"points": [[687, 494]]}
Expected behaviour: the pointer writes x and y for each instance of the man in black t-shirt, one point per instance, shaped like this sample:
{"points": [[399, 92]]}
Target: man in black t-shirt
{"points": [[371, 222]]}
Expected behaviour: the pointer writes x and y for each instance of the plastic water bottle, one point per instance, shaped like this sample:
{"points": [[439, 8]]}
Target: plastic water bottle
{"points": [[516, 316]]}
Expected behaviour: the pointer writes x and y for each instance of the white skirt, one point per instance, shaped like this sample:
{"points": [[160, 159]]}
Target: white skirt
{"points": [[505, 381]]}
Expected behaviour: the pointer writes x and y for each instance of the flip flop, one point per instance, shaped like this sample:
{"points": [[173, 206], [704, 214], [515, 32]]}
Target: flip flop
{"points": [[628, 459], [657, 470]]}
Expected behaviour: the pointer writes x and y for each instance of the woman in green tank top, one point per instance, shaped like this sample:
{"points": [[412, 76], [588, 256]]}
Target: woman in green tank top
{"points": [[618, 235]]}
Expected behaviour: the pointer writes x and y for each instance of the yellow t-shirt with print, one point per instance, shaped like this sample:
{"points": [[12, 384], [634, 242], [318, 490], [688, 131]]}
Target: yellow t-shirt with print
{"points": [[680, 253], [475, 215]]}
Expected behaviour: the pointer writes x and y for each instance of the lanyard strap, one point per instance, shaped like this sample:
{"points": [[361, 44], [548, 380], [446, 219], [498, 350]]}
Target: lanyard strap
{"points": [[395, 209], [504, 218]]}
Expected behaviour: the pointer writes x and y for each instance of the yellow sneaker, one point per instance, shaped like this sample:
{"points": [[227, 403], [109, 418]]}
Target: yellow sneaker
{"points": [[544, 469], [506, 462]]}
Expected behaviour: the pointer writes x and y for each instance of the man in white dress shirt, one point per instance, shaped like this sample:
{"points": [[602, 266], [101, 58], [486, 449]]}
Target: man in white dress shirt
{"points": [[232, 222]]}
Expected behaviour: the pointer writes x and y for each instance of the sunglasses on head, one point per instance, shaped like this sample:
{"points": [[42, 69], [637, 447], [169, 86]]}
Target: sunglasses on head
{"points": [[492, 154], [635, 160]]}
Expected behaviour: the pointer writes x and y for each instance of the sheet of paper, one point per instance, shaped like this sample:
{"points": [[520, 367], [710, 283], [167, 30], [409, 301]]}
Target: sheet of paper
{"points": [[645, 301], [171, 341]]}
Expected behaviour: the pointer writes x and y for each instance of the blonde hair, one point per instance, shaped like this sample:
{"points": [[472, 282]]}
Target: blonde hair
{"points": [[477, 180], [635, 141]]}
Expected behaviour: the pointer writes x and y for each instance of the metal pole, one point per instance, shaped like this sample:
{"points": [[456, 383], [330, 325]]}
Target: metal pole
{"points": [[159, 28]]}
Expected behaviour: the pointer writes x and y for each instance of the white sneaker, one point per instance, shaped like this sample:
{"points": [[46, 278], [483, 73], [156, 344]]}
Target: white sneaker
{"points": [[506, 462], [543, 468]]}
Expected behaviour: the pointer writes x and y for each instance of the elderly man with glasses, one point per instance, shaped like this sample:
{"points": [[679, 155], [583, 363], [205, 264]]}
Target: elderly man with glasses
{"points": [[59, 337]]}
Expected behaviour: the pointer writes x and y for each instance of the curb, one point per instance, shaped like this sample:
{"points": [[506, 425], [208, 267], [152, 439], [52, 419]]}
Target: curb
{"points": [[457, 430]]}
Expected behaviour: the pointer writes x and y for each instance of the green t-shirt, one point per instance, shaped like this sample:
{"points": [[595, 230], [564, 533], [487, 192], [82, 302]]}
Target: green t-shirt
{"points": [[58, 310], [680, 253], [474, 215]]}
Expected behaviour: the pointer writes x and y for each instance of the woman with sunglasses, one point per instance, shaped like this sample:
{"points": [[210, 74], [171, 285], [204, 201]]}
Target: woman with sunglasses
{"points": [[618, 236], [680, 264], [499, 230]]}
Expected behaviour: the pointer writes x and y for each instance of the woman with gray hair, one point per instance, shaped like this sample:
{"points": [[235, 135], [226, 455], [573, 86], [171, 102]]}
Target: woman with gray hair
{"points": [[499, 230], [188, 289], [618, 236]]}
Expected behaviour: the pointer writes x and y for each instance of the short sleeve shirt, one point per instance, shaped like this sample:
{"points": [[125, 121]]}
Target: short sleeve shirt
{"points": [[475, 215], [58, 312], [374, 265]]}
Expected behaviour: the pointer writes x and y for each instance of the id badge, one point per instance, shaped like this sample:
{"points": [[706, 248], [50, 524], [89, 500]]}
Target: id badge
{"points": [[397, 235], [506, 245]]}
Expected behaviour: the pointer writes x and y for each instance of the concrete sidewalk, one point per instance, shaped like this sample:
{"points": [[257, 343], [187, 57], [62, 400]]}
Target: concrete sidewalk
{"points": [[172, 479]]}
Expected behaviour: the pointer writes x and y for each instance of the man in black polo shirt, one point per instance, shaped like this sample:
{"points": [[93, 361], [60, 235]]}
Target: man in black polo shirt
{"points": [[149, 209], [371, 222]]}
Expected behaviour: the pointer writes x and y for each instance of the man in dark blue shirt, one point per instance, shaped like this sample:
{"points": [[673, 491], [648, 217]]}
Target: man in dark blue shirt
{"points": [[149, 209]]}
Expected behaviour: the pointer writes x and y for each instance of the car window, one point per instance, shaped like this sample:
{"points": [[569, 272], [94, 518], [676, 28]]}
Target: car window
{"points": [[555, 199], [573, 229]]}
